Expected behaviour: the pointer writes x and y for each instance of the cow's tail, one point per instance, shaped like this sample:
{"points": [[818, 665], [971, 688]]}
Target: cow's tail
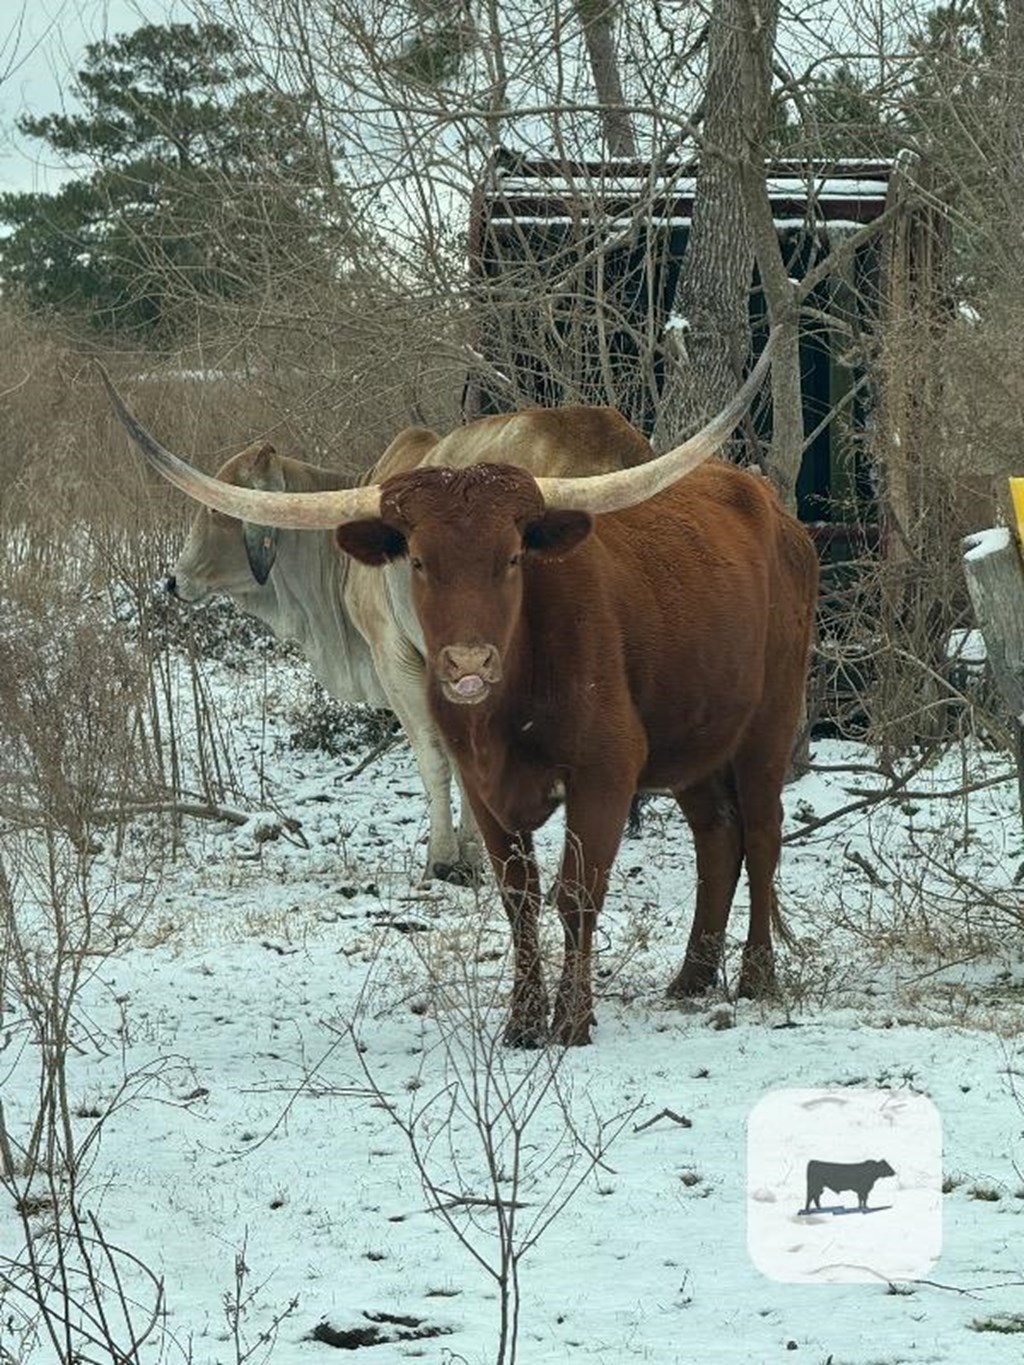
{"points": [[780, 929]]}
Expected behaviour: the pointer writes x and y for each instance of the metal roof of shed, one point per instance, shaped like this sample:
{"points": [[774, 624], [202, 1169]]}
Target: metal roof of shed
{"points": [[847, 192]]}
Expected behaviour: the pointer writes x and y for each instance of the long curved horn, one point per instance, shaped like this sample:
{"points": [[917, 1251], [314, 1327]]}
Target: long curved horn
{"points": [[294, 511], [626, 487]]}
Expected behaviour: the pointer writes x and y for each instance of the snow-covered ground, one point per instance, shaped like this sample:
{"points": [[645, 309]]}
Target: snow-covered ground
{"points": [[289, 1003]]}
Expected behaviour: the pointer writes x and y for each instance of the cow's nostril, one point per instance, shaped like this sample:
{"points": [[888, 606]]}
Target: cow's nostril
{"points": [[461, 659], [171, 586]]}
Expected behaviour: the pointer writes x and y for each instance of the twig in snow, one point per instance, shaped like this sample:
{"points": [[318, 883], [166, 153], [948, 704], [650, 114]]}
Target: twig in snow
{"points": [[681, 1119], [469, 1201], [376, 752], [956, 1289], [858, 860]]}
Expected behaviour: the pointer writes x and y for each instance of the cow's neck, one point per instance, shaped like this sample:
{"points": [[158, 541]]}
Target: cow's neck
{"points": [[307, 606], [506, 747], [303, 599]]}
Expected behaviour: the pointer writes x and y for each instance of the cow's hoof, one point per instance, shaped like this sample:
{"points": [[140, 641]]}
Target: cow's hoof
{"points": [[694, 978], [474, 859], [572, 1032], [526, 1033], [757, 975], [455, 874], [572, 1020]]}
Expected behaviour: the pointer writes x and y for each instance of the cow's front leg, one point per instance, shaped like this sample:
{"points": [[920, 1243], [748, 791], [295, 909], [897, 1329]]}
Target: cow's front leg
{"points": [[402, 674], [471, 844], [594, 819], [515, 869]]}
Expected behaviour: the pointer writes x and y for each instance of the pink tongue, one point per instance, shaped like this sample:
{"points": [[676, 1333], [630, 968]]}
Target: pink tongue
{"points": [[471, 683]]}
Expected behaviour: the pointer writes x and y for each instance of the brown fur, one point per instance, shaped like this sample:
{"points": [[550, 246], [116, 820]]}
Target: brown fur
{"points": [[667, 650]]}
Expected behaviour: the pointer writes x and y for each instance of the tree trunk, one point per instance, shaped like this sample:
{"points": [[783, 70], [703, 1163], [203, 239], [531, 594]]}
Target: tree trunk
{"points": [[713, 293], [1014, 66], [756, 38], [597, 18], [995, 581]]}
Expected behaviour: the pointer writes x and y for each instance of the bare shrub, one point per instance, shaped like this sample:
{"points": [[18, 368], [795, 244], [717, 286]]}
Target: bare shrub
{"points": [[335, 398], [896, 662], [899, 663], [88, 540], [63, 461], [70, 693], [339, 729], [70, 743], [238, 1302], [499, 1138]]}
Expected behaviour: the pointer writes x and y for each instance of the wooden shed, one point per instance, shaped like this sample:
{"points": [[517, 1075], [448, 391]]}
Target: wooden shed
{"points": [[577, 264]]}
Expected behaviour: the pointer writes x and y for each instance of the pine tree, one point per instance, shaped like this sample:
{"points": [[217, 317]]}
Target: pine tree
{"points": [[195, 185]]}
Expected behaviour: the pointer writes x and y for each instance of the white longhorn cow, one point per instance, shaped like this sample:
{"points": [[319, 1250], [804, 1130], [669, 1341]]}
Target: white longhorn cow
{"points": [[354, 624]]}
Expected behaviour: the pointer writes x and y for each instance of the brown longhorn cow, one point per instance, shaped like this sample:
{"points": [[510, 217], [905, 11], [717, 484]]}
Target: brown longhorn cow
{"points": [[586, 639], [343, 615]]}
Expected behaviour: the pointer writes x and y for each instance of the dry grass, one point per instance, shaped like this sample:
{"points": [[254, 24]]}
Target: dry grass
{"points": [[948, 430], [89, 534], [64, 462]]}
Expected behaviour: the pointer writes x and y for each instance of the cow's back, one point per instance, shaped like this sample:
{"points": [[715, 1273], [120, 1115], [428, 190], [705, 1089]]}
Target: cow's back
{"points": [[716, 547], [697, 603], [556, 442], [408, 449]]}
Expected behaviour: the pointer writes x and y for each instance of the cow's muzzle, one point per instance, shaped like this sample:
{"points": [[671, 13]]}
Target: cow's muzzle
{"points": [[468, 672], [184, 590]]}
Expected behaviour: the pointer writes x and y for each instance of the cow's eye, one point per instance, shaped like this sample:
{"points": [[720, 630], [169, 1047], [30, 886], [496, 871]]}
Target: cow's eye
{"points": [[515, 559], [416, 563]]}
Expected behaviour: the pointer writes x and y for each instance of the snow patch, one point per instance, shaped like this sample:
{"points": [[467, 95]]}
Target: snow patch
{"points": [[981, 544]]}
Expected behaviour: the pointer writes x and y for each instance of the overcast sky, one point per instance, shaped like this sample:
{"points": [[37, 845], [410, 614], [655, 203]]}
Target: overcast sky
{"points": [[39, 55]]}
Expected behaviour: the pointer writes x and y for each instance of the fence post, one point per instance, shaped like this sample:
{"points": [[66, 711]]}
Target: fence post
{"points": [[995, 580]]}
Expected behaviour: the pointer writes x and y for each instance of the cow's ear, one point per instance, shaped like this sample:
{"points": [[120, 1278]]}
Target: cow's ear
{"points": [[264, 468], [260, 467], [371, 542], [557, 532], [260, 548]]}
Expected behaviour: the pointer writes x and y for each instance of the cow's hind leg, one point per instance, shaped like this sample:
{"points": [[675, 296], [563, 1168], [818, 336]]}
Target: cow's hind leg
{"points": [[760, 765], [759, 779], [711, 812]]}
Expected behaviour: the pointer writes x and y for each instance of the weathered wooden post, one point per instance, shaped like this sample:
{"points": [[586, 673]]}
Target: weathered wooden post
{"points": [[995, 580]]}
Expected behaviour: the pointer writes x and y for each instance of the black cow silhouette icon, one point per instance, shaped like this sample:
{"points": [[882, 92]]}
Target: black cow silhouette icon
{"points": [[858, 1176]]}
